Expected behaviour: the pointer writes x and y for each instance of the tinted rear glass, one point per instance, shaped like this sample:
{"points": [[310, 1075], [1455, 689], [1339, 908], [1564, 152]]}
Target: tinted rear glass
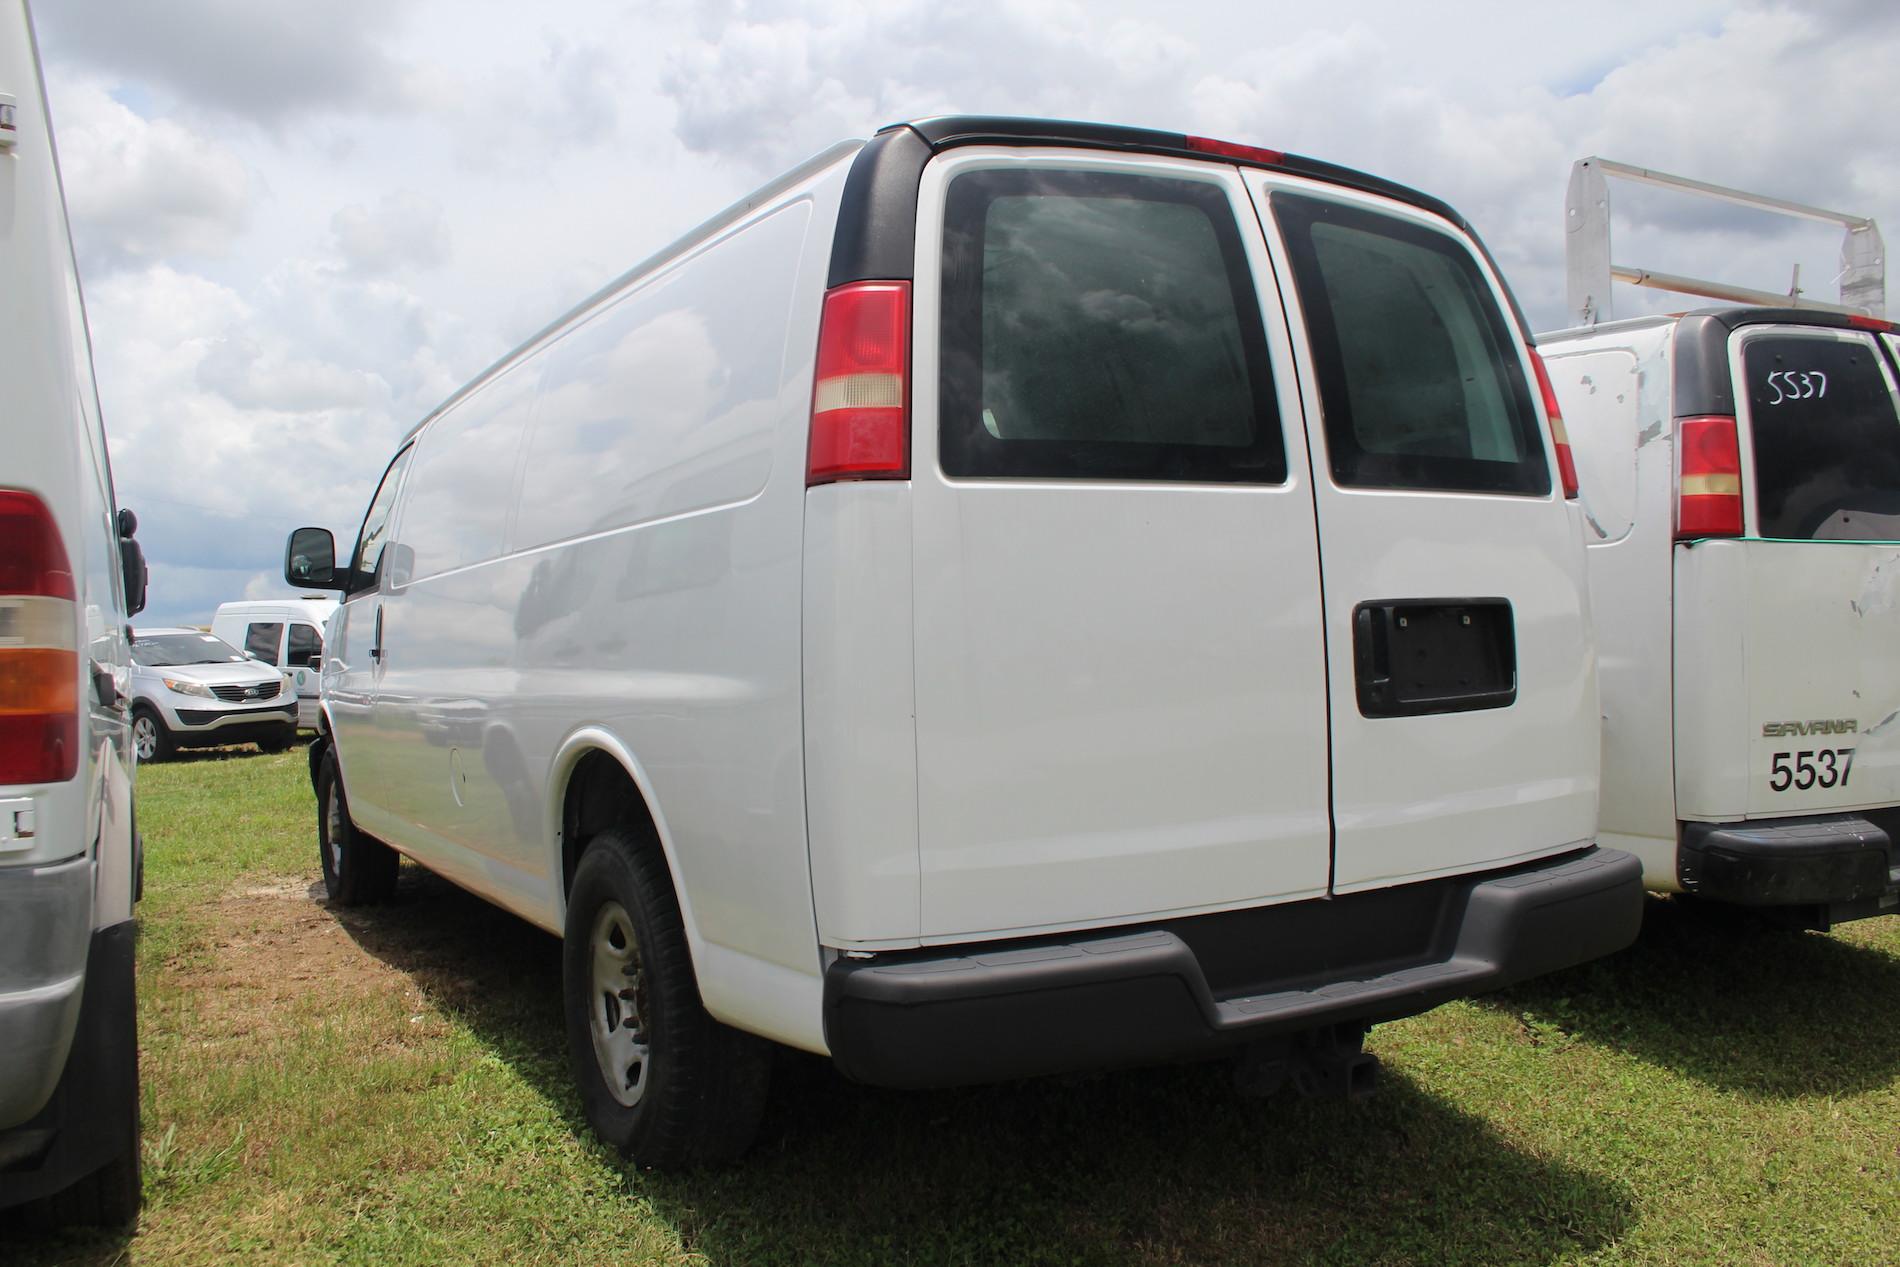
{"points": [[1826, 438], [1102, 326], [1419, 374]]}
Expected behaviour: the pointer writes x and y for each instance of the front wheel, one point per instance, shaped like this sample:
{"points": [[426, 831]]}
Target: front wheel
{"points": [[357, 869], [279, 741], [660, 1079], [151, 739]]}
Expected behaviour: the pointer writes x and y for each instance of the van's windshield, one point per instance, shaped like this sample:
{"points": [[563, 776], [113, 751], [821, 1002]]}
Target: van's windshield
{"points": [[1826, 437], [166, 651]]}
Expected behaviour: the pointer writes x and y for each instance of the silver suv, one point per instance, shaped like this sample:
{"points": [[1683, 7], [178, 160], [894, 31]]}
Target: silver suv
{"points": [[193, 690]]}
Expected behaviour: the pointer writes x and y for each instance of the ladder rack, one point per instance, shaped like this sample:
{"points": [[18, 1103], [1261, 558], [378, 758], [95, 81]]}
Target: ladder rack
{"points": [[1590, 270]]}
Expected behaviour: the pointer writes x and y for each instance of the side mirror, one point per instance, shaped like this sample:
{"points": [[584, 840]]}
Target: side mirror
{"points": [[310, 559], [132, 564], [316, 664]]}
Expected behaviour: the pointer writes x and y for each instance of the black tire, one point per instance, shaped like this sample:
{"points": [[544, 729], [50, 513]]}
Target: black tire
{"points": [[278, 742], [701, 1086], [151, 738], [357, 869]]}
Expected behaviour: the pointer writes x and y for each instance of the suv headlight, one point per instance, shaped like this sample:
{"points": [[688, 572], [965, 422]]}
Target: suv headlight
{"points": [[188, 688]]}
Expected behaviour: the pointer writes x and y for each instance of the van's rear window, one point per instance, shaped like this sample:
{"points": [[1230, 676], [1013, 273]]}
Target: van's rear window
{"points": [[1826, 438], [1101, 326], [1418, 372]]}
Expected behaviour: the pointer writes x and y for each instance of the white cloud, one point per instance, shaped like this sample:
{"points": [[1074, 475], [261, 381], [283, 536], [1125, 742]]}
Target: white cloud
{"points": [[404, 231], [259, 62], [140, 190], [303, 226]]}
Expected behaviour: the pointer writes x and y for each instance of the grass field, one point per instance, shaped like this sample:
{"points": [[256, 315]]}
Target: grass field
{"points": [[390, 1086]]}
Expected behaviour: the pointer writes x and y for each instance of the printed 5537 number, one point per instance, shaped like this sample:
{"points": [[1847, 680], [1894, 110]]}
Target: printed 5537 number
{"points": [[1824, 767]]}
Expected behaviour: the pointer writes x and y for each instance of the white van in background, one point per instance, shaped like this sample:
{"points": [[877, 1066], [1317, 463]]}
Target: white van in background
{"points": [[285, 633], [70, 578], [1741, 480], [1009, 596]]}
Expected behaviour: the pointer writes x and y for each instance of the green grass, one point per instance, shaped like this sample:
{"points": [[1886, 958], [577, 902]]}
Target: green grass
{"points": [[391, 1086]]}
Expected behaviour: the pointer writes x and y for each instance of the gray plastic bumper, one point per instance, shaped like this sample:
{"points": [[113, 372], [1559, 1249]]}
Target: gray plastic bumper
{"points": [[1192, 988]]}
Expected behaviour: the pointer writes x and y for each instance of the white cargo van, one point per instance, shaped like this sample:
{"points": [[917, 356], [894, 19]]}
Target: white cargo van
{"points": [[1009, 596], [70, 577], [286, 634], [1741, 480]]}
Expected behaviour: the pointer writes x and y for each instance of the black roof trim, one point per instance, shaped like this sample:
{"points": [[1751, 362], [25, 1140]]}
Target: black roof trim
{"points": [[876, 234], [1735, 318]]}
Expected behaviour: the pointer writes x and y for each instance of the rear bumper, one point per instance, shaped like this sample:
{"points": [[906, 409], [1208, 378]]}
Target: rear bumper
{"points": [[90, 1114], [1844, 862], [1198, 987], [45, 921]]}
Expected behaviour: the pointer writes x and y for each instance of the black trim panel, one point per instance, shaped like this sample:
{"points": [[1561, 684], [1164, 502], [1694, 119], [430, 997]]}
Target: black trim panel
{"points": [[1204, 986]]}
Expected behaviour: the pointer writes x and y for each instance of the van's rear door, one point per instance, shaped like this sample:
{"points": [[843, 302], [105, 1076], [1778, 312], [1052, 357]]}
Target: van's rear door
{"points": [[1809, 601], [1463, 702], [1120, 681]]}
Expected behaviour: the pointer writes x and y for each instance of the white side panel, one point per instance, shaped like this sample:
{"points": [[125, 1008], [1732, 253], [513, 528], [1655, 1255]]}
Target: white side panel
{"points": [[645, 603], [1120, 685], [1711, 659], [1614, 389], [860, 713]]}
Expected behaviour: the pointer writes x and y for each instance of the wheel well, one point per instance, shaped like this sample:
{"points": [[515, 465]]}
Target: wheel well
{"points": [[601, 794]]}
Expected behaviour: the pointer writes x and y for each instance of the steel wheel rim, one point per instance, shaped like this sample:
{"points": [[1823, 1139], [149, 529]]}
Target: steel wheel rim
{"points": [[617, 1004], [334, 827], [144, 737]]}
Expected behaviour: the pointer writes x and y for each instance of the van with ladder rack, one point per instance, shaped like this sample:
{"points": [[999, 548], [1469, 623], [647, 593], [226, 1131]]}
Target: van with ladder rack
{"points": [[1741, 485], [1010, 596]]}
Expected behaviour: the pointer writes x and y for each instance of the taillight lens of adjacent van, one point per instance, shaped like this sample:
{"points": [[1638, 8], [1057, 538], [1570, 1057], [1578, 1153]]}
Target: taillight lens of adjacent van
{"points": [[1709, 485], [860, 408], [1559, 436], [39, 655]]}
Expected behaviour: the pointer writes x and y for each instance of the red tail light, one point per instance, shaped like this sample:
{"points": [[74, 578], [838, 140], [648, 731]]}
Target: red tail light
{"points": [[1872, 323], [860, 408], [1709, 487], [1235, 151], [1559, 436], [39, 656]]}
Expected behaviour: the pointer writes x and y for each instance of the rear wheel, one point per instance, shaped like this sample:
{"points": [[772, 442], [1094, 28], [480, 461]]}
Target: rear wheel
{"points": [[151, 739], [357, 869], [660, 1079]]}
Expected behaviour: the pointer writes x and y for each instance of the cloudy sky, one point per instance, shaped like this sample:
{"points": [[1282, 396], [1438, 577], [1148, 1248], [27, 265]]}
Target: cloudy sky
{"points": [[301, 225]]}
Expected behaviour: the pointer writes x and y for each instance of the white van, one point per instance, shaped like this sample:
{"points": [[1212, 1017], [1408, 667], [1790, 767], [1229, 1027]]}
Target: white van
{"points": [[70, 578], [1741, 481], [286, 634], [921, 617]]}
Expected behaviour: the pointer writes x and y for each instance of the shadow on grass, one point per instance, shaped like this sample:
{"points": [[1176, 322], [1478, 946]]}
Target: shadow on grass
{"points": [[24, 1245], [1163, 1166], [1737, 1006]]}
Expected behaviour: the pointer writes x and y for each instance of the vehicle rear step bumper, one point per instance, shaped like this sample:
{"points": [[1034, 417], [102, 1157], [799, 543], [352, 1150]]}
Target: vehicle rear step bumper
{"points": [[1832, 860], [1202, 986]]}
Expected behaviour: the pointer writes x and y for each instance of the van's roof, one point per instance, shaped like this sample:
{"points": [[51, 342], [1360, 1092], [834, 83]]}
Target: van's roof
{"points": [[1732, 318], [876, 229]]}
